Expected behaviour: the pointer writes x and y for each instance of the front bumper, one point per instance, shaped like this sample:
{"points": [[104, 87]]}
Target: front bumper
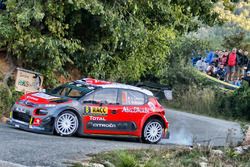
{"points": [[46, 126]]}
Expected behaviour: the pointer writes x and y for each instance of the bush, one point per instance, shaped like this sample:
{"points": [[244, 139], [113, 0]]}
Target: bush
{"points": [[7, 99]]}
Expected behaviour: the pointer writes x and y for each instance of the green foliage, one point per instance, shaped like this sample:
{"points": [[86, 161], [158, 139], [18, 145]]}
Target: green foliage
{"points": [[234, 41], [176, 71], [117, 40], [174, 157], [239, 103], [7, 100], [126, 160]]}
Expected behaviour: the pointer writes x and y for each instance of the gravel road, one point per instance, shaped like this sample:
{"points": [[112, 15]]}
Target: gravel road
{"points": [[19, 148]]}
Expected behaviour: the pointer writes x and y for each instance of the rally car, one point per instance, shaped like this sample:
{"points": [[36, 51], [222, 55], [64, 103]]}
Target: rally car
{"points": [[92, 107]]}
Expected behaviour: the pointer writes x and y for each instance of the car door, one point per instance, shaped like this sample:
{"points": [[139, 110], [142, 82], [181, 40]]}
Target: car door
{"points": [[100, 114], [132, 108]]}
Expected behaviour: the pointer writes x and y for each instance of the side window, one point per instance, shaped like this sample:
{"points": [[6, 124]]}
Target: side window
{"points": [[130, 97], [74, 93], [106, 96], [62, 91]]}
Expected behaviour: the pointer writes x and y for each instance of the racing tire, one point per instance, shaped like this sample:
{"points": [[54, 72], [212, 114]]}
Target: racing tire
{"points": [[152, 131], [66, 124]]}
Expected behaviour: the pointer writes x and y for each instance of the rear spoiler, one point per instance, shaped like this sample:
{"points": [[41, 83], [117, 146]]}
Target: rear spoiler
{"points": [[159, 90]]}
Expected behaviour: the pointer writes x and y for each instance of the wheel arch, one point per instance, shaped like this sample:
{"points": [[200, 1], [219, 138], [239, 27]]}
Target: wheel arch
{"points": [[59, 111], [153, 116], [68, 109]]}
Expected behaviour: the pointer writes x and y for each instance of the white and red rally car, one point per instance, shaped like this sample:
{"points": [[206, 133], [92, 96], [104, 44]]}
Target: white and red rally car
{"points": [[92, 107]]}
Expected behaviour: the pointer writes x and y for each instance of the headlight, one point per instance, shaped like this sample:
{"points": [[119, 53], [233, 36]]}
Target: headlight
{"points": [[21, 101], [41, 112], [50, 105], [47, 105]]}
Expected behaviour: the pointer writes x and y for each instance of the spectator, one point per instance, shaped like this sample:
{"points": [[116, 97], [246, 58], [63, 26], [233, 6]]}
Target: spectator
{"points": [[196, 57], [201, 65], [216, 54], [231, 63], [211, 70], [247, 77], [237, 82], [210, 57], [195, 60], [239, 65], [221, 73], [223, 59], [244, 63]]}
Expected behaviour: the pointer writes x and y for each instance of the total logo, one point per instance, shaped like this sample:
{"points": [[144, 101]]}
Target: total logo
{"points": [[92, 118]]}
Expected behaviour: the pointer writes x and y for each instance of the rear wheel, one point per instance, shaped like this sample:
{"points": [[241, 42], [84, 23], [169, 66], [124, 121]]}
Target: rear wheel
{"points": [[66, 124], [152, 131]]}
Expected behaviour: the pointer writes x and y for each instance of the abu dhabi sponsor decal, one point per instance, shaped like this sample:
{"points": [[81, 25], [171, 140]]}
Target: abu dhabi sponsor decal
{"points": [[135, 109], [87, 110], [93, 118]]}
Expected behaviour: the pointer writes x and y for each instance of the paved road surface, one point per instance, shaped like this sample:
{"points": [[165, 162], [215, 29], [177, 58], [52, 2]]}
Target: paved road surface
{"points": [[19, 148]]}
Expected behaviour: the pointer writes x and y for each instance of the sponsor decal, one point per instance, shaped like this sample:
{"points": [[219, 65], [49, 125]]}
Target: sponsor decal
{"points": [[32, 98], [135, 109], [37, 121], [107, 125], [92, 118], [104, 125], [95, 110], [151, 105]]}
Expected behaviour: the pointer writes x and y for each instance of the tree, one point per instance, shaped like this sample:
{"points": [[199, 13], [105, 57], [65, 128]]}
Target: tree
{"points": [[116, 39]]}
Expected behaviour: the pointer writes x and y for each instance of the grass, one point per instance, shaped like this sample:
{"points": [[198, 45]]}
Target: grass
{"points": [[185, 157]]}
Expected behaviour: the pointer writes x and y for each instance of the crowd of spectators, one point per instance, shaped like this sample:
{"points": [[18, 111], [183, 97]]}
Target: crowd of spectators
{"points": [[231, 66]]}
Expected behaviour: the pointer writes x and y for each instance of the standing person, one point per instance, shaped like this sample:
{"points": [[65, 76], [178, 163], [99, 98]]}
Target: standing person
{"points": [[210, 57], [244, 63], [247, 77], [239, 65], [231, 63], [223, 60]]}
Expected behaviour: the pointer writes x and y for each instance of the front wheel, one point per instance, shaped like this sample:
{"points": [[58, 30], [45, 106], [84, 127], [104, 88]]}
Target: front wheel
{"points": [[152, 131], [66, 123]]}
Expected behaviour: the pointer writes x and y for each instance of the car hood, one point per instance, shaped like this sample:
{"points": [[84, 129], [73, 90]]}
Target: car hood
{"points": [[43, 98]]}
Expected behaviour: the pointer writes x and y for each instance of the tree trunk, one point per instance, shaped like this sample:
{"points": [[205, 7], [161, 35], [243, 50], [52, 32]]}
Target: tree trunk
{"points": [[9, 74]]}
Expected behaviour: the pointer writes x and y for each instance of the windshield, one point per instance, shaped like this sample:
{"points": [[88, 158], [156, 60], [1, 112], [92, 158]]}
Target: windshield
{"points": [[71, 91]]}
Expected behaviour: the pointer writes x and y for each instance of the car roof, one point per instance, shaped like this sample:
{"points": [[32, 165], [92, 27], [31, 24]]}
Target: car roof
{"points": [[107, 84]]}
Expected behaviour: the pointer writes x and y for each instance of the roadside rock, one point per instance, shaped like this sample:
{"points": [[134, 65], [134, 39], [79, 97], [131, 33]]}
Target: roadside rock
{"points": [[242, 149], [203, 159], [87, 164], [108, 164], [217, 153], [247, 137], [203, 164]]}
